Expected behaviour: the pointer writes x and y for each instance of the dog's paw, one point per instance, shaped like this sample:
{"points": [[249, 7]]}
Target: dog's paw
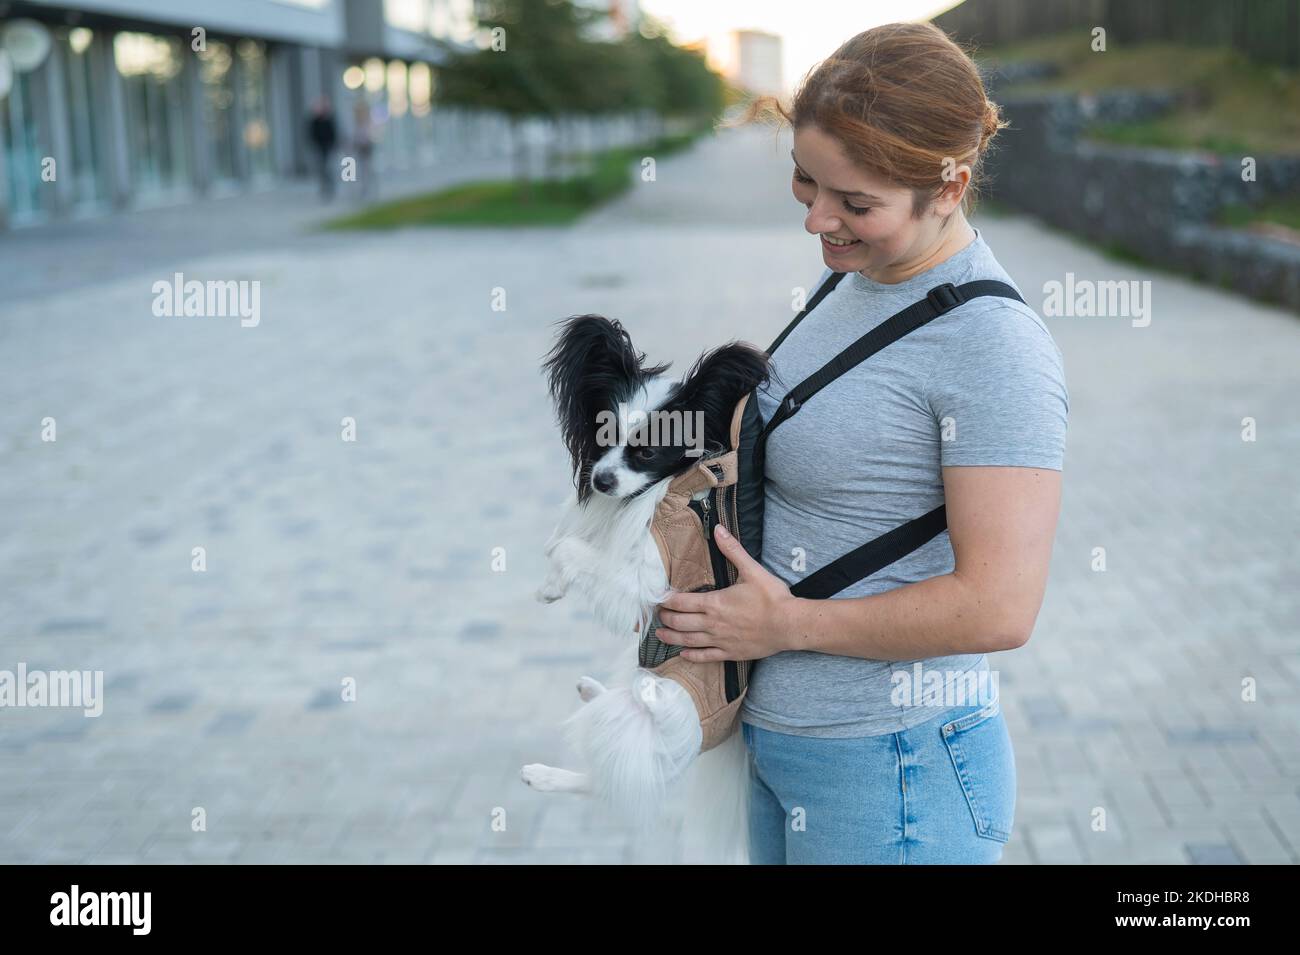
{"points": [[532, 774], [589, 688], [543, 778], [549, 593]]}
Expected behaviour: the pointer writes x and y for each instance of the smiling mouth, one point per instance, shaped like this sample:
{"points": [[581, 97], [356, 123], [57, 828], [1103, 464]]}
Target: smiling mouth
{"points": [[833, 243]]}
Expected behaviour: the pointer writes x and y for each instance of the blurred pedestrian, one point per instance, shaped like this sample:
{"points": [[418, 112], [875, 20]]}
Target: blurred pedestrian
{"points": [[323, 132], [363, 143]]}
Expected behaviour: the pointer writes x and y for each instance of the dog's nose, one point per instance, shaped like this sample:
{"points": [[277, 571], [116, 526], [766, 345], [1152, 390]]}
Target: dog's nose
{"points": [[602, 482]]}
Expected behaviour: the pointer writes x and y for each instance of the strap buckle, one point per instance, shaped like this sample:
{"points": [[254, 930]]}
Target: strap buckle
{"points": [[944, 297], [791, 404]]}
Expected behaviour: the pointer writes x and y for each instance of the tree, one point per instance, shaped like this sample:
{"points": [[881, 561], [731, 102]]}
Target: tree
{"points": [[536, 59], [527, 64]]}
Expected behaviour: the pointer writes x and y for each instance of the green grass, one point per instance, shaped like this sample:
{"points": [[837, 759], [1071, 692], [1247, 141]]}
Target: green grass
{"points": [[1231, 105], [546, 202], [473, 203], [1283, 212], [663, 146], [1167, 133]]}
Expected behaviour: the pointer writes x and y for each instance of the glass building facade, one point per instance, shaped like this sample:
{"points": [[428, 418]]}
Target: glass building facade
{"points": [[105, 110], [24, 124], [87, 158], [254, 119], [216, 66], [135, 110], [151, 71]]}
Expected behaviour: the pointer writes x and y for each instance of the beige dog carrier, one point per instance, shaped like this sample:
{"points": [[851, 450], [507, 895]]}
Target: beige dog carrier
{"points": [[683, 530]]}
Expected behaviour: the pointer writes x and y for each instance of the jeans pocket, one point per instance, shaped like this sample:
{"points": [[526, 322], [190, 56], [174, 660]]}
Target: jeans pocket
{"points": [[981, 752]]}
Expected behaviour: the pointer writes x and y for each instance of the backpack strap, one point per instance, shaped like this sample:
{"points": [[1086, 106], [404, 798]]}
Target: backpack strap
{"points": [[875, 555], [894, 545], [940, 300], [826, 288]]}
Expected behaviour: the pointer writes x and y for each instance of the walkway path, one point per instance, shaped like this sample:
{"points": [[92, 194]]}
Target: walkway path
{"points": [[373, 560]]}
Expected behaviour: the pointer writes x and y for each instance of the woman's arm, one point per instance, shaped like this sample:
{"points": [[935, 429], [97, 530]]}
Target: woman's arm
{"points": [[1001, 521]]}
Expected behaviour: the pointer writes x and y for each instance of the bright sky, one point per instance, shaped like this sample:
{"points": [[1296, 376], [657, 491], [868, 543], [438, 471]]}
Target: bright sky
{"points": [[810, 29]]}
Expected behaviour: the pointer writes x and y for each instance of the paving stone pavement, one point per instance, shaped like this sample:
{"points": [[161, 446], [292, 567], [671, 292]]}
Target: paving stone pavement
{"points": [[373, 560]]}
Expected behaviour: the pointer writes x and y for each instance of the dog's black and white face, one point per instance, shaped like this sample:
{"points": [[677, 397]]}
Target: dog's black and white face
{"points": [[628, 425]]}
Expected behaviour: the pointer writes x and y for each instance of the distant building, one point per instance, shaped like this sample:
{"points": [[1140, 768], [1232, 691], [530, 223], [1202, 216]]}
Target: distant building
{"points": [[755, 62], [140, 102]]}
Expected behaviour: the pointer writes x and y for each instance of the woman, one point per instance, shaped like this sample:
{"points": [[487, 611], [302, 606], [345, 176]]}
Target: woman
{"points": [[866, 742]]}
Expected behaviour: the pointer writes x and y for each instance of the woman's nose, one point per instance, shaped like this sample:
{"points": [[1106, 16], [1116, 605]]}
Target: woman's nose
{"points": [[819, 220]]}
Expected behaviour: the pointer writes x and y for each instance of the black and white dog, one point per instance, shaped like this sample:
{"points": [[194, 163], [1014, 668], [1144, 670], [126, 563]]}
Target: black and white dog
{"points": [[630, 429]]}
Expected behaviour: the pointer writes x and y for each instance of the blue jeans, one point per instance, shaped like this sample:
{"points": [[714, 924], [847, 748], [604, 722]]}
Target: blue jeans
{"points": [[943, 792]]}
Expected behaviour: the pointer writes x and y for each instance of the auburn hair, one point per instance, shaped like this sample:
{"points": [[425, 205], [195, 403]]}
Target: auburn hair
{"points": [[904, 101]]}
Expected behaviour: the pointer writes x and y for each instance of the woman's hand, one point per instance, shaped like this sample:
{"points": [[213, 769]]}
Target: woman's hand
{"points": [[753, 618]]}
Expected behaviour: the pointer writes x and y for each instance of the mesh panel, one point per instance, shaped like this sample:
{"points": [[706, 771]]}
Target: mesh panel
{"points": [[653, 651]]}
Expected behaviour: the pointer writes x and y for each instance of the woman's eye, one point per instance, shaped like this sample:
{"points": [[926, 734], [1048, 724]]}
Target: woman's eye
{"points": [[856, 210]]}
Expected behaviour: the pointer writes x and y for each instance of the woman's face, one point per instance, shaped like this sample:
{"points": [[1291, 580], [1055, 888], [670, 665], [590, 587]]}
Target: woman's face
{"points": [[847, 203]]}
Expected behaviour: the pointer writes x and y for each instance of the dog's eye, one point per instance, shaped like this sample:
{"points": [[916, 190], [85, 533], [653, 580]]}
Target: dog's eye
{"points": [[645, 454]]}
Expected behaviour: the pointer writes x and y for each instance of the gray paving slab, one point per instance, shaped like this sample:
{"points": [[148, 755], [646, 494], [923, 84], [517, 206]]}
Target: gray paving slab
{"points": [[369, 563]]}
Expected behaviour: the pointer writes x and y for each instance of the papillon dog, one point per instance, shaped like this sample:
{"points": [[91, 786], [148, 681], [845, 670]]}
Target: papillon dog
{"points": [[630, 428]]}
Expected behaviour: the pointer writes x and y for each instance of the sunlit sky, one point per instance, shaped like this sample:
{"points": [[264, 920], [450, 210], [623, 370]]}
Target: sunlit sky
{"points": [[810, 29]]}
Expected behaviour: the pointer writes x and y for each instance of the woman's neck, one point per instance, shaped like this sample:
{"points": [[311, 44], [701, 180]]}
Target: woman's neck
{"points": [[950, 240]]}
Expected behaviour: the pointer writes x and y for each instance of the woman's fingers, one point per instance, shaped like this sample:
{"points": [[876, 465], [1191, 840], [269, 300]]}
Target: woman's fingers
{"points": [[692, 622], [681, 637], [704, 655], [687, 602]]}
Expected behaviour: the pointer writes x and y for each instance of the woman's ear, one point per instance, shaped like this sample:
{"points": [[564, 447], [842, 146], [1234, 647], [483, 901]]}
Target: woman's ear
{"points": [[956, 180]]}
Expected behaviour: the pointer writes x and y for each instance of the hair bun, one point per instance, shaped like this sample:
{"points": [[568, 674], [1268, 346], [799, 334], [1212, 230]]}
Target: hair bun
{"points": [[992, 123]]}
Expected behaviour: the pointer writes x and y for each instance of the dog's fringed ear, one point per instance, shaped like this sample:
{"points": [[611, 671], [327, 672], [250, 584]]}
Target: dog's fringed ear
{"points": [[725, 374], [591, 368], [716, 382]]}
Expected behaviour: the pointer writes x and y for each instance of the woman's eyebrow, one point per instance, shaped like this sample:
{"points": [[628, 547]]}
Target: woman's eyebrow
{"points": [[843, 192]]}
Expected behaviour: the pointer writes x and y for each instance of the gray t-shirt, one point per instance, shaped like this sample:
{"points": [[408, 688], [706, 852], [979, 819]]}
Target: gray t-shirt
{"points": [[982, 385]]}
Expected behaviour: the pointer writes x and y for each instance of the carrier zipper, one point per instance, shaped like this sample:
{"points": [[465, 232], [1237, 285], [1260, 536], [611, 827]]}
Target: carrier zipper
{"points": [[701, 509], [708, 515], [725, 507], [735, 673]]}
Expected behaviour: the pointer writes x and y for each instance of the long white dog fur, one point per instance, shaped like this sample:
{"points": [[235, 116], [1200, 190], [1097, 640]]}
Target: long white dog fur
{"points": [[640, 740]]}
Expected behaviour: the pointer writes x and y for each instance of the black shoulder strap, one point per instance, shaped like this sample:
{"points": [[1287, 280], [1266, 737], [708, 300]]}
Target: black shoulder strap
{"points": [[938, 301], [875, 555], [826, 288]]}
